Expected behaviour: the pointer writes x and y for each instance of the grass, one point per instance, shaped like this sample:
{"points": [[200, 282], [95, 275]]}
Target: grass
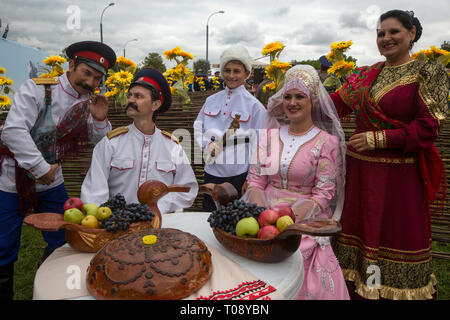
{"points": [[33, 245]]}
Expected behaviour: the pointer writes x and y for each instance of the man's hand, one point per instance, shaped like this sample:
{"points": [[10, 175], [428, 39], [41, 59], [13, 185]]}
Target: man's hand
{"points": [[359, 142], [213, 149], [99, 107], [49, 177]]}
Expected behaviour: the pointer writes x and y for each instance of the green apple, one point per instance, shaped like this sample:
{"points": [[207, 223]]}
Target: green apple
{"points": [[247, 227], [283, 222], [73, 215], [103, 213], [90, 209]]}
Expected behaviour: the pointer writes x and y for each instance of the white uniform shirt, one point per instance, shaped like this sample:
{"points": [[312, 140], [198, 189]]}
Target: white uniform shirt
{"points": [[24, 111], [123, 163], [215, 118]]}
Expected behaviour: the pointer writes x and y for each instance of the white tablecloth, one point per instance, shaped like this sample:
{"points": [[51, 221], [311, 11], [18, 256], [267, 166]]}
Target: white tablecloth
{"points": [[285, 276]]}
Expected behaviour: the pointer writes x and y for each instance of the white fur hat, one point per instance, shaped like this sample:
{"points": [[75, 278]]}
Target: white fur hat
{"points": [[236, 52]]}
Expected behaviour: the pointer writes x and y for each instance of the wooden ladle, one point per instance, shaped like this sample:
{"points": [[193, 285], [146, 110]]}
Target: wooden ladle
{"points": [[221, 193], [152, 190]]}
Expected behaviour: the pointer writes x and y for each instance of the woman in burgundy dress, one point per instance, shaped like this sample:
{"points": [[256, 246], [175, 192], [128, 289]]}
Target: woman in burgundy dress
{"points": [[395, 175]]}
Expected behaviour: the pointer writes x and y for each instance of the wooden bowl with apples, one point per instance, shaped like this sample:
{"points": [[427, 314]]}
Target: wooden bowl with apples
{"points": [[91, 238], [265, 236]]}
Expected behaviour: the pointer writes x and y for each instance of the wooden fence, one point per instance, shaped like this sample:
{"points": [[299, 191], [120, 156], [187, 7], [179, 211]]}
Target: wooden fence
{"points": [[181, 116]]}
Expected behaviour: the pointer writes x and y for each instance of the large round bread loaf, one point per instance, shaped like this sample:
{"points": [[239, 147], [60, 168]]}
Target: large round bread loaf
{"points": [[173, 267]]}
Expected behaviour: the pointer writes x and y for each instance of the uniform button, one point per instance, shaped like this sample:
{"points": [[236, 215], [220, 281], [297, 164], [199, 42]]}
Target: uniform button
{"points": [[224, 113]]}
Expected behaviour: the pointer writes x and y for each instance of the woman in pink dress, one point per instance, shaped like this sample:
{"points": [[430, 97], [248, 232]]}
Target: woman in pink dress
{"points": [[300, 165]]}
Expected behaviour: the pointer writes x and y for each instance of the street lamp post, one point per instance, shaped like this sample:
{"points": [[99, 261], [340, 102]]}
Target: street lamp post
{"points": [[126, 45], [207, 22], [101, 17]]}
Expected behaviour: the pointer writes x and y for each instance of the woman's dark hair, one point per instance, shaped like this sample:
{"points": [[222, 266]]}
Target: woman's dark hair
{"points": [[407, 19]]}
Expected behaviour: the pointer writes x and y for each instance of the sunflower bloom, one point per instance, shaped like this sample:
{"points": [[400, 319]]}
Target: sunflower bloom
{"points": [[53, 61], [272, 48], [343, 45], [4, 101], [2, 70], [123, 77]]}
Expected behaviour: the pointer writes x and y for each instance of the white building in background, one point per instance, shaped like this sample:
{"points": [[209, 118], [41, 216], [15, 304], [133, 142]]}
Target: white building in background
{"points": [[21, 62]]}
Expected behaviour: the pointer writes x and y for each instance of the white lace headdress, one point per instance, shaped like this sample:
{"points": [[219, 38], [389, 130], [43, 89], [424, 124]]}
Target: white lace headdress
{"points": [[306, 79]]}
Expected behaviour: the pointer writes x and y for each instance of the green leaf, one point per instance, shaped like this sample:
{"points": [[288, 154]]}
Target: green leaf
{"points": [[444, 60]]}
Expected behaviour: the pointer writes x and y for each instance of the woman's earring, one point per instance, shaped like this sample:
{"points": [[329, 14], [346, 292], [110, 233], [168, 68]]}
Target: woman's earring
{"points": [[410, 44]]}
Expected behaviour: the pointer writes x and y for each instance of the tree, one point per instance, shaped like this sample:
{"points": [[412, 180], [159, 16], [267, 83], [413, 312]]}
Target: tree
{"points": [[314, 63], [201, 66], [445, 45], [154, 60]]}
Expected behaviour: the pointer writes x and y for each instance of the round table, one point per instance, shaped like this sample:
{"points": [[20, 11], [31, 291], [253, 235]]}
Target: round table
{"points": [[286, 276]]}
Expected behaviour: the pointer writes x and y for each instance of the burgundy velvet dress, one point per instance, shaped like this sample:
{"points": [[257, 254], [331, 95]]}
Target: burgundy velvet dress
{"points": [[385, 245]]}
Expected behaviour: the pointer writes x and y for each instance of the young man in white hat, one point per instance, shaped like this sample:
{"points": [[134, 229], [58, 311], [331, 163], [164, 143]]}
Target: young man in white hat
{"points": [[229, 161]]}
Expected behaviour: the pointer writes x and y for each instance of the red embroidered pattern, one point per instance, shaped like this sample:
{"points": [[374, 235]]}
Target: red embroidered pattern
{"points": [[245, 291]]}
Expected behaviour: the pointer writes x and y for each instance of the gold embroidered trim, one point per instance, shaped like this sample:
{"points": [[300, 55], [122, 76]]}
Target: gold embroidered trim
{"points": [[380, 139], [429, 101], [408, 79], [381, 159], [384, 253], [386, 292], [370, 138]]}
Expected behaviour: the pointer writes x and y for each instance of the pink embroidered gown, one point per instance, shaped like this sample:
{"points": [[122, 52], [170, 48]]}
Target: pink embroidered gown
{"points": [[301, 169]]}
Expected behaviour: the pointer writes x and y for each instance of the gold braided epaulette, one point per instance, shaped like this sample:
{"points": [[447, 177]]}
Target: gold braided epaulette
{"points": [[117, 132], [168, 135], [45, 80]]}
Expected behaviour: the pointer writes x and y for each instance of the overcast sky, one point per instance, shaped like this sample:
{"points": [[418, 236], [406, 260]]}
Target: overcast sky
{"points": [[307, 28]]}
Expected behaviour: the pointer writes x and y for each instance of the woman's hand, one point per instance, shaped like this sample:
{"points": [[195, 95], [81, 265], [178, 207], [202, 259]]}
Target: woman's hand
{"points": [[359, 142]]}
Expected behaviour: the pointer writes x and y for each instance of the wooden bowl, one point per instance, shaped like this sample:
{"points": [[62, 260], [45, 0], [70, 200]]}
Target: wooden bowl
{"points": [[86, 239], [266, 250], [280, 247]]}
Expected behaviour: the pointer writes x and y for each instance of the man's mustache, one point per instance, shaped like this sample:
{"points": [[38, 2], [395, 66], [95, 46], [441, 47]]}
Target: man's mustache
{"points": [[84, 86], [131, 105]]}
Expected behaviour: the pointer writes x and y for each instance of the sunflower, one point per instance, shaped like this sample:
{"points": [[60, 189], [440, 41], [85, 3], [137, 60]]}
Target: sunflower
{"points": [[269, 86], [123, 77], [343, 45], [2, 70], [331, 56], [283, 66], [272, 48], [186, 55], [171, 54], [341, 68], [52, 74], [122, 61], [53, 61], [112, 93], [4, 101]]}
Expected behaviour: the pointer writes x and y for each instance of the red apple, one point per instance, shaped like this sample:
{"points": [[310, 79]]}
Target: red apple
{"points": [[73, 203], [267, 217], [286, 211], [268, 232]]}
